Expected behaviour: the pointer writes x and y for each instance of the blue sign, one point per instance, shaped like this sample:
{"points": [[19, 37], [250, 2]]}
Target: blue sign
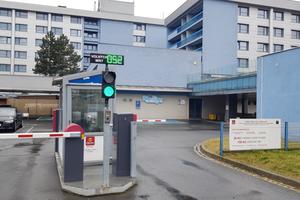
{"points": [[138, 104], [153, 100], [96, 79]]}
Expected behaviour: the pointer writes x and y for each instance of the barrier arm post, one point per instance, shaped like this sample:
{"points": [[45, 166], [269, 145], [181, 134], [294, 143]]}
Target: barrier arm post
{"points": [[221, 138], [73, 155], [286, 136]]}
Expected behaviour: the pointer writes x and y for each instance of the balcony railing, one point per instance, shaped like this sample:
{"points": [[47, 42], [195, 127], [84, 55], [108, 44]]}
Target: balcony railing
{"points": [[186, 25], [190, 38]]}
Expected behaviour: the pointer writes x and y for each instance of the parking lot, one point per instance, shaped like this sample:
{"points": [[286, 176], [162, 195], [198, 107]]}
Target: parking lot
{"points": [[168, 168]]}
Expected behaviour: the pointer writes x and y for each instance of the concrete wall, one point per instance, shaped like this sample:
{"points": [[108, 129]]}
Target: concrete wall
{"points": [[116, 32], [278, 83], [154, 67], [156, 36], [169, 109], [213, 105], [117, 7], [219, 36]]}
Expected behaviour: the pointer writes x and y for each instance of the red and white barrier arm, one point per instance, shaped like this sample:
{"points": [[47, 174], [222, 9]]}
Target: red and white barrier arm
{"points": [[41, 135]]}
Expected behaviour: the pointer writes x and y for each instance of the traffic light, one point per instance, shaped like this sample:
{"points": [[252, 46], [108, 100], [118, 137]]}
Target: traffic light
{"points": [[108, 84]]}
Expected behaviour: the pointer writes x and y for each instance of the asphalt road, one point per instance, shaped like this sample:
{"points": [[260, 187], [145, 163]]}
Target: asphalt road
{"points": [[168, 169]]}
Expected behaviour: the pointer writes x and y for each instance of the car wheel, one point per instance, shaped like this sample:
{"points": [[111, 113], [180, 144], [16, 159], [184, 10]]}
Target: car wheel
{"points": [[21, 125]]}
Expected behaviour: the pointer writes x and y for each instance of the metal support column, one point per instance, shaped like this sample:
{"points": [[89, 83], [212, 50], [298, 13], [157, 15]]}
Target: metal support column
{"points": [[133, 129], [107, 146]]}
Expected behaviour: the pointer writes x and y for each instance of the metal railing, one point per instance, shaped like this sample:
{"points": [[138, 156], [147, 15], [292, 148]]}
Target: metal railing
{"points": [[186, 25], [190, 38]]}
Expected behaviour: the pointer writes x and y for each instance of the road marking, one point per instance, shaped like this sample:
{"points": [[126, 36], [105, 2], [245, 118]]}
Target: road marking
{"points": [[29, 130], [200, 154]]}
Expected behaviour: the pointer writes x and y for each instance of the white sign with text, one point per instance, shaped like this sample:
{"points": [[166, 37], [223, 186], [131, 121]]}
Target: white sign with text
{"points": [[254, 134]]}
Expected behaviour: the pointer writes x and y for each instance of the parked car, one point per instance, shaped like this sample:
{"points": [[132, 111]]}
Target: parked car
{"points": [[10, 119]]}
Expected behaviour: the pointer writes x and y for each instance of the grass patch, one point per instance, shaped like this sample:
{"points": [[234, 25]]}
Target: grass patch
{"points": [[285, 163]]}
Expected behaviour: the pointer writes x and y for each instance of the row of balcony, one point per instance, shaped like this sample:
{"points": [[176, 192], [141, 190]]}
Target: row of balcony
{"points": [[186, 25], [193, 37]]}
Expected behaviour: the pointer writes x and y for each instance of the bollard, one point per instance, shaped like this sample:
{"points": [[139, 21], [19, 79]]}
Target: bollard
{"points": [[221, 138], [286, 136], [73, 155]]}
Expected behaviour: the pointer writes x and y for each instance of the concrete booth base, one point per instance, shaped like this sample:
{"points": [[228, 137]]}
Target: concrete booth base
{"points": [[92, 182]]}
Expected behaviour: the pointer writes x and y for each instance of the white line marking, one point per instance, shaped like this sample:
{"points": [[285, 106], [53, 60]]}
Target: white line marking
{"points": [[200, 154]]}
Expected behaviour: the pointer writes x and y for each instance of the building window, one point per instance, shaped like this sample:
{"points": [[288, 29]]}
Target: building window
{"points": [[263, 30], [57, 18], [140, 27], [20, 68], [5, 54], [75, 20], [295, 34], [4, 67], [76, 45], [278, 32], [278, 47], [21, 54], [243, 63], [93, 22], [262, 47], [295, 18], [41, 29], [243, 28], [90, 47], [86, 59], [21, 41], [140, 39], [5, 12], [38, 42], [57, 31], [278, 16], [243, 45], [21, 27], [243, 11], [5, 40], [21, 14], [5, 26], [41, 16], [263, 14], [75, 32], [90, 34]]}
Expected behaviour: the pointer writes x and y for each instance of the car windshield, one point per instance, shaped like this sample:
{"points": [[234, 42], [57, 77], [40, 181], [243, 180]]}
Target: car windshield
{"points": [[7, 112]]}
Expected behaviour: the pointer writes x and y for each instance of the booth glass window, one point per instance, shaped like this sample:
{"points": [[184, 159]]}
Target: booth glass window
{"points": [[88, 109]]}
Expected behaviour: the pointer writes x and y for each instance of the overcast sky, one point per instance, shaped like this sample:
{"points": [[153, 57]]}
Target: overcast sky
{"points": [[146, 8]]}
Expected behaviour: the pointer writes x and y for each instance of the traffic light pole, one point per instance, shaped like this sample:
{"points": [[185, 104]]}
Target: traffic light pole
{"points": [[107, 141]]}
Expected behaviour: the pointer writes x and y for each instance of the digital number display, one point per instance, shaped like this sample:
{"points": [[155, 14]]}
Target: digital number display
{"points": [[109, 59]]}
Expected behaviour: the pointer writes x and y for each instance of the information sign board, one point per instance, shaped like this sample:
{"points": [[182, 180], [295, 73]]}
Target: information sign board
{"points": [[254, 134]]}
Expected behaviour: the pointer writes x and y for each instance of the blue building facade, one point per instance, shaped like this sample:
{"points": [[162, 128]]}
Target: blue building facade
{"points": [[278, 84]]}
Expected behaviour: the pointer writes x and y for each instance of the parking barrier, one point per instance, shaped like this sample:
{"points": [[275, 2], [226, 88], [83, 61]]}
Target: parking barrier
{"points": [[40, 135]]}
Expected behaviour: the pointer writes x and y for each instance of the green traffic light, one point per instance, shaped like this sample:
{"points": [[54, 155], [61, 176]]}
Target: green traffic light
{"points": [[109, 91]]}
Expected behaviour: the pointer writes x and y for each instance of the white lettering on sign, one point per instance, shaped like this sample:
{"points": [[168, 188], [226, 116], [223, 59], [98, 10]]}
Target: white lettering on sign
{"points": [[254, 134]]}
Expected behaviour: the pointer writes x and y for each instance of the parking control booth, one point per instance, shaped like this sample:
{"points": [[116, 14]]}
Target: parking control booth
{"points": [[81, 103]]}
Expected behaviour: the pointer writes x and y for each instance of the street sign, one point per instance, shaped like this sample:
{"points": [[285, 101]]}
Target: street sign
{"points": [[108, 59]]}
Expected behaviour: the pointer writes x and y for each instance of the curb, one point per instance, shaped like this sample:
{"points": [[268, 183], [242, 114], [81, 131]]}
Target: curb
{"points": [[251, 169], [91, 191]]}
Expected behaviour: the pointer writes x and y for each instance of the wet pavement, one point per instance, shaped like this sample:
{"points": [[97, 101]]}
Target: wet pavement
{"points": [[168, 169]]}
